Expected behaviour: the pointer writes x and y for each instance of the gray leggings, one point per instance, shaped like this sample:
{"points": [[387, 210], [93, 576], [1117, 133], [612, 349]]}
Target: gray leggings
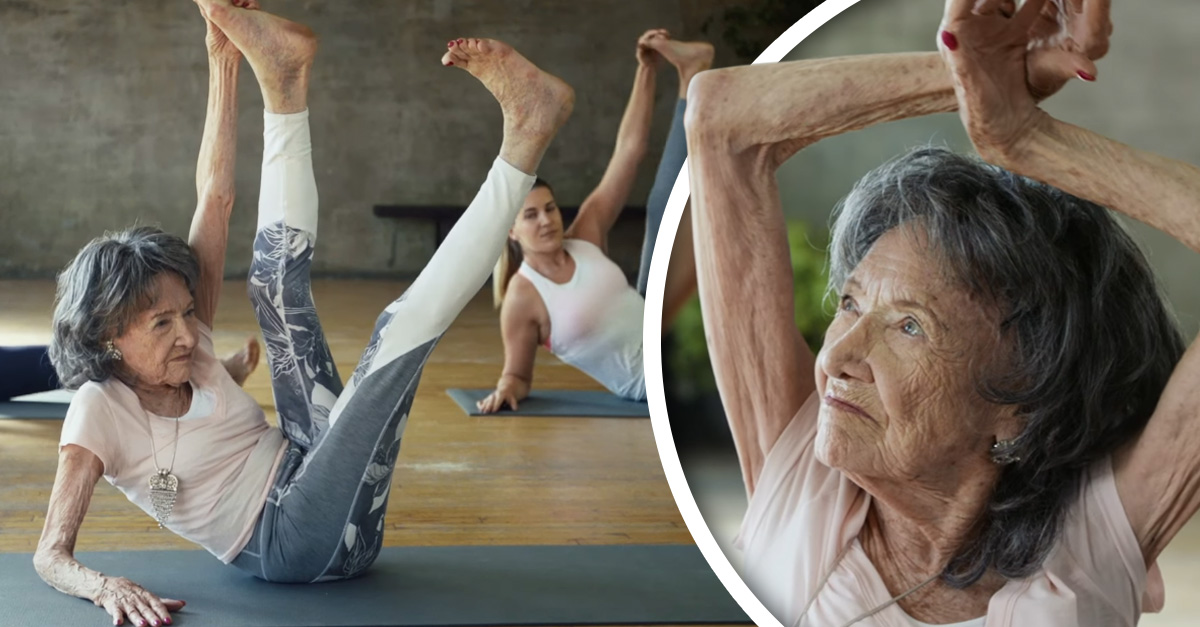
{"points": [[323, 518], [673, 156]]}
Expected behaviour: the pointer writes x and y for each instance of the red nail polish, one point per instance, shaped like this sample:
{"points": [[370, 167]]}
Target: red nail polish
{"points": [[1085, 76], [950, 41], [450, 63]]}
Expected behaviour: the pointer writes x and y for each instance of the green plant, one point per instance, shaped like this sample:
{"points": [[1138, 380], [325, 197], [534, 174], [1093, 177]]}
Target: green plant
{"points": [[687, 356]]}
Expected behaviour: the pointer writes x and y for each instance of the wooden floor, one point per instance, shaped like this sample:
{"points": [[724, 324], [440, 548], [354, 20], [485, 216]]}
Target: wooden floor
{"points": [[459, 480]]}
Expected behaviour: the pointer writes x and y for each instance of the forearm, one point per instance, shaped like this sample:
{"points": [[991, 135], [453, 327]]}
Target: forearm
{"points": [[1150, 188], [215, 184], [64, 573], [54, 561], [794, 104], [218, 147], [633, 136]]}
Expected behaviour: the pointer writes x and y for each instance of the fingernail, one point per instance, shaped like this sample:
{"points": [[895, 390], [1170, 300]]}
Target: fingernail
{"points": [[449, 63], [1085, 76], [949, 40]]}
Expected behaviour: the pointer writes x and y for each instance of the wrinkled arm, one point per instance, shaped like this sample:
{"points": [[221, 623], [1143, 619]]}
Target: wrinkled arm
{"points": [[54, 560], [600, 209], [215, 183], [1158, 475], [742, 123]]}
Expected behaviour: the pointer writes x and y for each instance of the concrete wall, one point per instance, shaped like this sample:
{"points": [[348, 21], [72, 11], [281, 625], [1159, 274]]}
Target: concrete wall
{"points": [[1145, 97], [102, 105]]}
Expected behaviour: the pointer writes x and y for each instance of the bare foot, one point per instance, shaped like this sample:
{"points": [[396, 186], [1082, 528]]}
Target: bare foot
{"points": [[687, 56], [242, 363], [535, 104], [280, 51]]}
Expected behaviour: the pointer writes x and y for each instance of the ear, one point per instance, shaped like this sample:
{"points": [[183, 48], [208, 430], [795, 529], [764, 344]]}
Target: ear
{"points": [[1009, 424]]}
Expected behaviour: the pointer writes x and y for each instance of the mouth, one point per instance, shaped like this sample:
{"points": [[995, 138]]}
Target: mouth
{"points": [[847, 406], [186, 357]]}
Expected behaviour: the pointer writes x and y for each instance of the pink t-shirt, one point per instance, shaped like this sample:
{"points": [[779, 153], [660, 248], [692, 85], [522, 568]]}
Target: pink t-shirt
{"points": [[803, 513], [226, 458]]}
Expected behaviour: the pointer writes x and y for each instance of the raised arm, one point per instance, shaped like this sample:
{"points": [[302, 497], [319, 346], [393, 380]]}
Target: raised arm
{"points": [[742, 124], [1158, 475], [600, 209], [54, 560], [215, 172]]}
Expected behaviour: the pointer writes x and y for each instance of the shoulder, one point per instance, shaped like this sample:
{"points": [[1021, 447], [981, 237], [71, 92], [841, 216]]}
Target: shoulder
{"points": [[581, 245], [522, 301]]}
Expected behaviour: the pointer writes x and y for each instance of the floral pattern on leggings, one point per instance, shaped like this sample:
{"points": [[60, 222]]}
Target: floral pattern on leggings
{"points": [[303, 373]]}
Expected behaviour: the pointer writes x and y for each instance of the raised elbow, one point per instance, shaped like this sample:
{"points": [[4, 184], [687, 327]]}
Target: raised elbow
{"points": [[711, 114]]}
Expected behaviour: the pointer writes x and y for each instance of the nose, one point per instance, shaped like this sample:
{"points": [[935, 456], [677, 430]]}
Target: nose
{"points": [[187, 335], [544, 219], [844, 354]]}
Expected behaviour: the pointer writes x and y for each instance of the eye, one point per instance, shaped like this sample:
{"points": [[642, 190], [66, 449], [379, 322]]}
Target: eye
{"points": [[189, 313], [911, 327], [162, 322], [848, 305], [551, 208]]}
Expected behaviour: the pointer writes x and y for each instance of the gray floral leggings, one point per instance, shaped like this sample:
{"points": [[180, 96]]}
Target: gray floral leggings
{"points": [[323, 518]]}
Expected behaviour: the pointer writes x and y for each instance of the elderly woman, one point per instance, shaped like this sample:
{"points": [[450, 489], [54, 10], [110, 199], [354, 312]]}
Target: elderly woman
{"points": [[1001, 426], [557, 288], [159, 419]]}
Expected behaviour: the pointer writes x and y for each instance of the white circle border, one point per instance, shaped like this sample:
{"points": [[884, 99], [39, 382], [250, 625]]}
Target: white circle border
{"points": [[652, 342]]}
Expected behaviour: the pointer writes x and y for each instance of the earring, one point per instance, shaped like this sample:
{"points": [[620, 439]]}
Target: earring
{"points": [[1003, 454], [112, 352]]}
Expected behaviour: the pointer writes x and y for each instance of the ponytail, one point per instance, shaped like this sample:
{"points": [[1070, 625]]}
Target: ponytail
{"points": [[506, 268]]}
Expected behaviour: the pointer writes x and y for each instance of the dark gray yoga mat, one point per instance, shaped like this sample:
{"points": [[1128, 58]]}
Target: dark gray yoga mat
{"points": [[460, 585], [563, 403], [41, 406]]}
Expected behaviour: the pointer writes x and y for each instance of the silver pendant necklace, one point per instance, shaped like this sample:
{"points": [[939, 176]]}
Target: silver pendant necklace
{"points": [[164, 486]]}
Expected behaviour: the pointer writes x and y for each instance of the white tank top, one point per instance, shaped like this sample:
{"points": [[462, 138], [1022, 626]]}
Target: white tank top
{"points": [[595, 319]]}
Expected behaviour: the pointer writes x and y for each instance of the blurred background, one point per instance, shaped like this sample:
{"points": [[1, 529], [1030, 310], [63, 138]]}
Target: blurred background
{"points": [[1147, 84], [102, 105]]}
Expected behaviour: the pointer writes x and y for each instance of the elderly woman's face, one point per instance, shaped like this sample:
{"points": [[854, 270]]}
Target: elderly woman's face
{"points": [[156, 347], [897, 370]]}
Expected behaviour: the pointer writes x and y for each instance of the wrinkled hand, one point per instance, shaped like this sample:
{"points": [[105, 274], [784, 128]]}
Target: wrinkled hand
{"points": [[1003, 62], [506, 394], [123, 599], [647, 55], [1066, 38]]}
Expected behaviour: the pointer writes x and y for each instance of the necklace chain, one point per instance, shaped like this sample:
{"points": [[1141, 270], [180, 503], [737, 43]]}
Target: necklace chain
{"points": [[825, 580], [174, 450]]}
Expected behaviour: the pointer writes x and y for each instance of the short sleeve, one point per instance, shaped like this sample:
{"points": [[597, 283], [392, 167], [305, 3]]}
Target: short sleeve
{"points": [[1101, 541], [788, 469], [89, 424]]}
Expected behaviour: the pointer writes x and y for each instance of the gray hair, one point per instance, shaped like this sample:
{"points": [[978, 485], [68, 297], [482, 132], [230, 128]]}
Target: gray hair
{"points": [[110, 280], [1090, 341]]}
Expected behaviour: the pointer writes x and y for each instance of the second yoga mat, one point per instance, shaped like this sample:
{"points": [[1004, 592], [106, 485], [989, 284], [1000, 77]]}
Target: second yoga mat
{"points": [[563, 403]]}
